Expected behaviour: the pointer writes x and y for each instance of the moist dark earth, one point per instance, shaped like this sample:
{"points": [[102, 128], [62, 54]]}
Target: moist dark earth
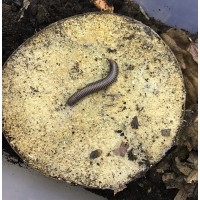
{"points": [[19, 24]]}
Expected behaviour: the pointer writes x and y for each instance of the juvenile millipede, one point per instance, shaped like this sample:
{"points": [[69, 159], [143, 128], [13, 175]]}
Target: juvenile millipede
{"points": [[97, 85]]}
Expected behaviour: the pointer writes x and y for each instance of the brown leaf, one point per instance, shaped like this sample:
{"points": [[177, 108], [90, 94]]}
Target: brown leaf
{"points": [[178, 41], [189, 135], [183, 167], [172, 181], [168, 176], [193, 134], [193, 49], [193, 158], [192, 177], [185, 192], [179, 52], [181, 195]]}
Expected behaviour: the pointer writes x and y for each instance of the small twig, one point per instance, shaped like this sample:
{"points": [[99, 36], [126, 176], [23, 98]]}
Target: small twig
{"points": [[144, 13]]}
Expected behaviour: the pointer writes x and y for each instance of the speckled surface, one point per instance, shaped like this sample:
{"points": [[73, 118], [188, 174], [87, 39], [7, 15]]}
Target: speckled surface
{"points": [[96, 143]]}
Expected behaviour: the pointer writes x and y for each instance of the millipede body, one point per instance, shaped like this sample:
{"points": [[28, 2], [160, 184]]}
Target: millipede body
{"points": [[97, 85]]}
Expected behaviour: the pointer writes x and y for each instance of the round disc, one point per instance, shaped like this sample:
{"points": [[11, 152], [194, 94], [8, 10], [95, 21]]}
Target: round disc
{"points": [[111, 136]]}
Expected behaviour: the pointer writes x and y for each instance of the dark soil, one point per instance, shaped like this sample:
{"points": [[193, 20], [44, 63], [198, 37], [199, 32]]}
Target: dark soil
{"points": [[149, 187], [41, 13]]}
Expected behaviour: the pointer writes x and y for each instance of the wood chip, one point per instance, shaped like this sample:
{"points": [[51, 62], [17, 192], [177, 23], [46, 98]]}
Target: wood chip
{"points": [[103, 5], [121, 151], [134, 123]]}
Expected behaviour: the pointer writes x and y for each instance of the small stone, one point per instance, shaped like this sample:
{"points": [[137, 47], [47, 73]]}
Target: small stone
{"points": [[95, 154]]}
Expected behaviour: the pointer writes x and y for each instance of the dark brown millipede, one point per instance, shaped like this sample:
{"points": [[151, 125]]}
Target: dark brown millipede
{"points": [[97, 85]]}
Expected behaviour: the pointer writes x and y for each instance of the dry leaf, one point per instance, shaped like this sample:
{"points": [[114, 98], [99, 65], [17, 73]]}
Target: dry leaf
{"points": [[193, 158], [172, 181], [193, 49], [185, 192], [193, 177], [178, 41], [25, 7], [183, 167], [168, 176], [192, 132], [181, 195], [189, 133], [159, 170], [103, 6]]}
